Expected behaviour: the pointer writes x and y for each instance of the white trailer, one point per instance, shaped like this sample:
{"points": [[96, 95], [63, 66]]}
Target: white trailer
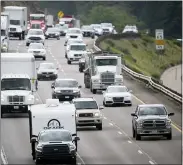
{"points": [[18, 82], [4, 32], [18, 21], [51, 115]]}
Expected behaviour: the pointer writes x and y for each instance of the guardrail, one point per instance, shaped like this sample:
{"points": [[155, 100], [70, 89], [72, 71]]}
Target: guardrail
{"points": [[148, 79]]}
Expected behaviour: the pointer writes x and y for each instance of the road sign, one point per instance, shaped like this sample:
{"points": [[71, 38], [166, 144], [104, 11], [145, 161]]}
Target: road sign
{"points": [[60, 14], [160, 43]]}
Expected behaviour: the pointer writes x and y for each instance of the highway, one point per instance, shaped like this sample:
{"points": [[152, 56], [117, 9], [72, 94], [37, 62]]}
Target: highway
{"points": [[114, 144]]}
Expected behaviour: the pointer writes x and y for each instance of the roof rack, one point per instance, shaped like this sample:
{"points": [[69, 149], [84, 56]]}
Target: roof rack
{"points": [[105, 53]]}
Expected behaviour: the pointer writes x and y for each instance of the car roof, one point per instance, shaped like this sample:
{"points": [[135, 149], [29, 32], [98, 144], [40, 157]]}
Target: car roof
{"points": [[84, 99], [35, 29], [151, 105], [78, 43]]}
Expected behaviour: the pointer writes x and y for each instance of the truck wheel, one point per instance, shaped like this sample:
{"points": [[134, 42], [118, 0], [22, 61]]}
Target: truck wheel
{"points": [[99, 126], [133, 132], [58, 38], [68, 62], [94, 91], [169, 136], [137, 136], [20, 37], [23, 35], [44, 58], [38, 161], [74, 161]]}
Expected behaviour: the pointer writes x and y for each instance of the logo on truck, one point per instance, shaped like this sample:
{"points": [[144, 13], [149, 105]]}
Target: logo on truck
{"points": [[54, 124]]}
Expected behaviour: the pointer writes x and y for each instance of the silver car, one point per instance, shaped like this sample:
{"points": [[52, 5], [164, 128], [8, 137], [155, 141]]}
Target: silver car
{"points": [[88, 113], [151, 120]]}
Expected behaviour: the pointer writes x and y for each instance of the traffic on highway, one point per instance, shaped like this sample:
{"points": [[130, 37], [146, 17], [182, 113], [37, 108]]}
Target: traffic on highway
{"points": [[63, 102]]}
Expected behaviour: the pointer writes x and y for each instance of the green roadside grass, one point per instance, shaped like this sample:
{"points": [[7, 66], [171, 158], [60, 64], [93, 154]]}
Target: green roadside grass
{"points": [[140, 54]]}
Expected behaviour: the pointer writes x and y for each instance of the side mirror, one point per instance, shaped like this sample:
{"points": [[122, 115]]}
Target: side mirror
{"points": [[171, 114], [34, 140], [130, 91], [133, 114], [76, 138], [101, 107], [80, 86]]}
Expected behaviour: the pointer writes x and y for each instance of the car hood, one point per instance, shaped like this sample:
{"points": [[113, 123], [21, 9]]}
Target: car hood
{"points": [[151, 117], [118, 94], [73, 34], [77, 52], [16, 92], [40, 50], [78, 111], [41, 36], [108, 68]]}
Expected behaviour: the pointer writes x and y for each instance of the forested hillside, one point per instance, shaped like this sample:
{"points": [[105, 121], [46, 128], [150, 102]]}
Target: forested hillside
{"points": [[146, 15]]}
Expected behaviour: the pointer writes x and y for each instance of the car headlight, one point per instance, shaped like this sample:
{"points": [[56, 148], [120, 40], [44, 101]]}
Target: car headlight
{"points": [[96, 81], [168, 122], [57, 34], [75, 91], [72, 147], [97, 114], [76, 115], [57, 91], [128, 97], [139, 124], [39, 148]]}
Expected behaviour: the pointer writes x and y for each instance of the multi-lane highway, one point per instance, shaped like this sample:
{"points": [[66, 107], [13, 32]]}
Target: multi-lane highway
{"points": [[114, 144]]}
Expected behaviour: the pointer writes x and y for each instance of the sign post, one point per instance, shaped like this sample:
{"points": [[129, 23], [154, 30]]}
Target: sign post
{"points": [[60, 14], [160, 43]]}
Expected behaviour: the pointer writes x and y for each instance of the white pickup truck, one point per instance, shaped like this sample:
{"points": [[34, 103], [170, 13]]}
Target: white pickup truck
{"points": [[18, 82]]}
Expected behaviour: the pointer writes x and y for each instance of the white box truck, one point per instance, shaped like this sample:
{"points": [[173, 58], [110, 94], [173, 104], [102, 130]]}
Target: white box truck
{"points": [[18, 21], [4, 32], [52, 115], [18, 82]]}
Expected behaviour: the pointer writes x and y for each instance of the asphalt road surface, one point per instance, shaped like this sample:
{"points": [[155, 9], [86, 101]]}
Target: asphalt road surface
{"points": [[172, 78], [114, 144]]}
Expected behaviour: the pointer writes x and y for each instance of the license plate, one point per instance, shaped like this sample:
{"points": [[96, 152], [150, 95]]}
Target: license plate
{"points": [[67, 97], [16, 107], [154, 131]]}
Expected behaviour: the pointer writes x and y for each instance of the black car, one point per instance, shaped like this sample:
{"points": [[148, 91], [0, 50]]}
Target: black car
{"points": [[65, 89], [88, 31], [52, 33], [55, 145]]}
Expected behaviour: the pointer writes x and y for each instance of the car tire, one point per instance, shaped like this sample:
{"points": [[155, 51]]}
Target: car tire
{"points": [[99, 126], [68, 62], [137, 136], [73, 161], [133, 132], [104, 104], [80, 70], [58, 38], [38, 161], [27, 44], [65, 55], [44, 58], [87, 86], [38, 78], [94, 91], [169, 136], [129, 105]]}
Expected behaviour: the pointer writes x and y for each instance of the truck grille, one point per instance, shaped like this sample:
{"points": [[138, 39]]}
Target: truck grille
{"points": [[86, 115], [66, 91], [16, 99], [13, 29], [108, 78], [62, 149], [35, 38], [77, 55], [36, 51], [106, 30], [154, 124], [47, 72], [118, 99]]}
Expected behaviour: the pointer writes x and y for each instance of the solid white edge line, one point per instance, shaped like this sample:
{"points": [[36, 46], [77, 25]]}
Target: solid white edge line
{"points": [[129, 141], [140, 152], [111, 124], [3, 156], [120, 132], [80, 158]]}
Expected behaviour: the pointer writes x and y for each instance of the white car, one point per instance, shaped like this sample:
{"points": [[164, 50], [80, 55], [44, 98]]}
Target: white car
{"points": [[130, 29], [70, 41], [35, 36], [116, 94], [97, 29], [108, 28], [88, 113], [47, 71], [75, 51], [38, 50], [73, 33]]}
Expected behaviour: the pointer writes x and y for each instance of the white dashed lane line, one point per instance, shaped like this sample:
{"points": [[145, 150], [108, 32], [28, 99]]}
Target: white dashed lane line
{"points": [[140, 152], [151, 162], [129, 141], [120, 133], [111, 124]]}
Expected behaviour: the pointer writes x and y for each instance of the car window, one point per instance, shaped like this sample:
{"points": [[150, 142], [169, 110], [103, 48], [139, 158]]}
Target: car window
{"points": [[66, 83], [34, 32], [86, 105], [78, 47]]}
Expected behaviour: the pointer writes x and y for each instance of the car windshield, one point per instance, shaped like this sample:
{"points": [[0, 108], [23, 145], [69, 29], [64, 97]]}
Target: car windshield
{"points": [[107, 25], [74, 31], [55, 136], [53, 30], [47, 66], [97, 26], [14, 22], [36, 26], [15, 84], [74, 41], [116, 89], [103, 62], [34, 32], [87, 28], [36, 46], [66, 83], [152, 111], [78, 47], [86, 105]]}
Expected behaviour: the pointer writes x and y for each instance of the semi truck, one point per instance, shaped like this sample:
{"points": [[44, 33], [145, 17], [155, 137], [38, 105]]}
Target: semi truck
{"points": [[18, 82], [18, 21], [101, 70], [4, 32]]}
